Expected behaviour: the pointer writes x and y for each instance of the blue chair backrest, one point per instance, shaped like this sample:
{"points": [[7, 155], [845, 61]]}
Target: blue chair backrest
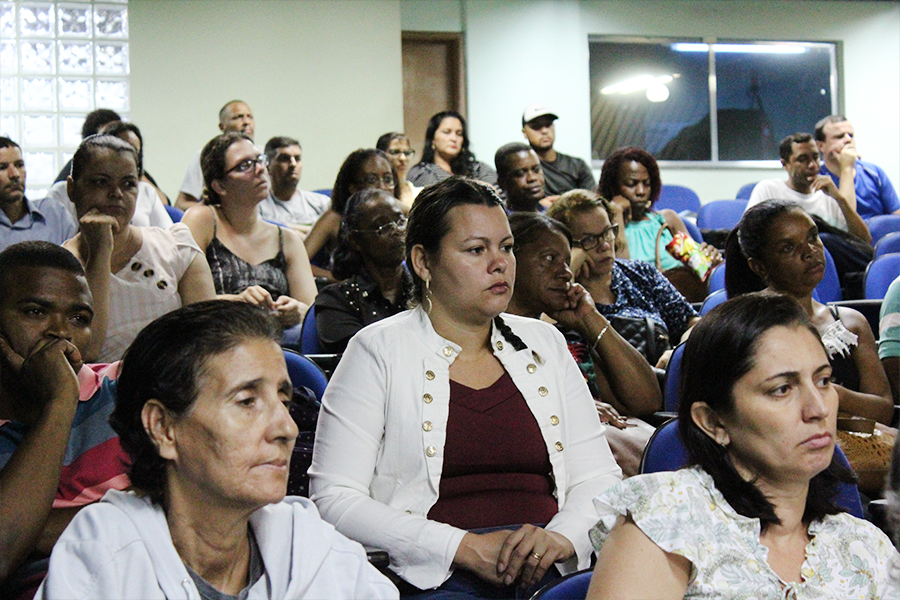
{"points": [[721, 214], [175, 213], [717, 278], [309, 335], [573, 586], [880, 273], [712, 301], [304, 372], [829, 289], [678, 198], [889, 244], [881, 225], [666, 452], [325, 192], [693, 230], [746, 190], [673, 375]]}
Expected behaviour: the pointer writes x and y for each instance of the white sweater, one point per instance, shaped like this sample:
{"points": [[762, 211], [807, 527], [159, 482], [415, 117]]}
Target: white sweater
{"points": [[379, 451]]}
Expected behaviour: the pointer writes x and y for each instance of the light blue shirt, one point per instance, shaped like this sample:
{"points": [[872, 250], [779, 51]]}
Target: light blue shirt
{"points": [[46, 220]]}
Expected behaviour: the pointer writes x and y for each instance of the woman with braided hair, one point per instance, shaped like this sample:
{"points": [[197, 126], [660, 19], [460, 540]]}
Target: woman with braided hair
{"points": [[462, 441]]}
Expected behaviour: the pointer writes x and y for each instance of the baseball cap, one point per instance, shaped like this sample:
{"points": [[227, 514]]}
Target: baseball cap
{"points": [[533, 111]]}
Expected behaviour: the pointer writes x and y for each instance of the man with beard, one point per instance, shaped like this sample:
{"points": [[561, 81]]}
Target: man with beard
{"points": [[561, 171], [22, 219]]}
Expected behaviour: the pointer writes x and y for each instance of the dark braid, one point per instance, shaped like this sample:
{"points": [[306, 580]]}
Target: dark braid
{"points": [[508, 334]]}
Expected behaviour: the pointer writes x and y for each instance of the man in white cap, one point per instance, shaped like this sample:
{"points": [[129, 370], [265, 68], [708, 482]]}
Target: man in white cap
{"points": [[561, 171]]}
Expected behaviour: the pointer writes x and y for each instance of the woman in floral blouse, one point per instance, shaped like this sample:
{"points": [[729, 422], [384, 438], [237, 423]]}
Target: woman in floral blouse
{"points": [[754, 515]]}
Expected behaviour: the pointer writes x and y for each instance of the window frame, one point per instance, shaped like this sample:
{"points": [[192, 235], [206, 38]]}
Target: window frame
{"points": [[835, 83]]}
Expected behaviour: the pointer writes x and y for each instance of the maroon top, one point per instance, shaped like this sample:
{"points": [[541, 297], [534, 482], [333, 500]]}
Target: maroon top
{"points": [[496, 467]]}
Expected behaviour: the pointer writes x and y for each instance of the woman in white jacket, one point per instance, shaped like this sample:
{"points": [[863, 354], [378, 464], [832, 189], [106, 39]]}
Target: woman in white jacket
{"points": [[445, 427], [201, 411]]}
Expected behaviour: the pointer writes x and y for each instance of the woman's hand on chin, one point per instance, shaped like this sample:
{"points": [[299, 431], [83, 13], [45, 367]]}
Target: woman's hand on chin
{"points": [[290, 311], [528, 552], [580, 304], [98, 229]]}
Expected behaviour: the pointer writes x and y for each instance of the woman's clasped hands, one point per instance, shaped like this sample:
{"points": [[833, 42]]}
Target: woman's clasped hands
{"points": [[507, 556]]}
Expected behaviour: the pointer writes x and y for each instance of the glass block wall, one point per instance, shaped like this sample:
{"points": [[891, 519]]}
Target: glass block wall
{"points": [[58, 62]]}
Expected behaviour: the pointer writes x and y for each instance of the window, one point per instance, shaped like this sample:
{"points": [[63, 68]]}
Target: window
{"points": [[712, 102], [58, 62]]}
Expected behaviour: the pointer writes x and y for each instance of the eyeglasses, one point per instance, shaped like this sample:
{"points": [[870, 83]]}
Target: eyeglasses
{"points": [[591, 241], [373, 180], [407, 153], [248, 164], [386, 229]]}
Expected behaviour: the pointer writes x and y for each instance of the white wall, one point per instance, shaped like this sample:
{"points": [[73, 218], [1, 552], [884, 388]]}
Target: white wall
{"points": [[521, 51], [329, 72], [325, 72]]}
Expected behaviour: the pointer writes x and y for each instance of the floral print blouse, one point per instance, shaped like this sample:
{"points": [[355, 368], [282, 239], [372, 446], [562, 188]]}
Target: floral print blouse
{"points": [[683, 513]]}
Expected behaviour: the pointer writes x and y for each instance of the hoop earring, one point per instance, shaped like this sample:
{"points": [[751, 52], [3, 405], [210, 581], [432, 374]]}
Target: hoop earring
{"points": [[426, 297]]}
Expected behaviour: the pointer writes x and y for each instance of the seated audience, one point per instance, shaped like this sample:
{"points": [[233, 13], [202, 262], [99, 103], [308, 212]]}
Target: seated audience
{"points": [[754, 515], [627, 288], [815, 193], [202, 412], [149, 208], [889, 337], [621, 381], [841, 229], [57, 450], [91, 125], [866, 181], [136, 273], [363, 169], [396, 145], [776, 246], [20, 218], [369, 262], [447, 426], [251, 260], [630, 180], [447, 153], [520, 177], [234, 116], [286, 202]]}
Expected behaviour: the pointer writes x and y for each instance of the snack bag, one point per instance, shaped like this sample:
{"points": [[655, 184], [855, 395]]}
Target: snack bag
{"points": [[685, 249]]}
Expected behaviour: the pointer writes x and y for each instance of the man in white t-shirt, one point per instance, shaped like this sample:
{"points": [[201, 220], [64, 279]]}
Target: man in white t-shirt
{"points": [[288, 204], [816, 194], [234, 116]]}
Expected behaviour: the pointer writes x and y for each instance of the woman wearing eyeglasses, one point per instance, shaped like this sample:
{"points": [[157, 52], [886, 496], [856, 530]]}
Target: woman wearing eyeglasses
{"points": [[363, 169], [369, 258], [619, 287], [396, 145], [251, 260]]}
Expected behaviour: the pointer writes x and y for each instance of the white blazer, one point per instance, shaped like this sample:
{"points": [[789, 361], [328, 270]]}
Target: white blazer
{"points": [[376, 468]]}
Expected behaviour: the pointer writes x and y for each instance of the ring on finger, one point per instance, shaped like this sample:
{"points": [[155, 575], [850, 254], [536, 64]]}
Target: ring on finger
{"points": [[536, 556]]}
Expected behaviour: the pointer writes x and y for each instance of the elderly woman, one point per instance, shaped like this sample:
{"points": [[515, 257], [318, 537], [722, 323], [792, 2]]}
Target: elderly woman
{"points": [[363, 169], [630, 180], [446, 427], [135, 273], [754, 515], [251, 259], [369, 261], [619, 287], [202, 412], [619, 377], [447, 153], [396, 145]]}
